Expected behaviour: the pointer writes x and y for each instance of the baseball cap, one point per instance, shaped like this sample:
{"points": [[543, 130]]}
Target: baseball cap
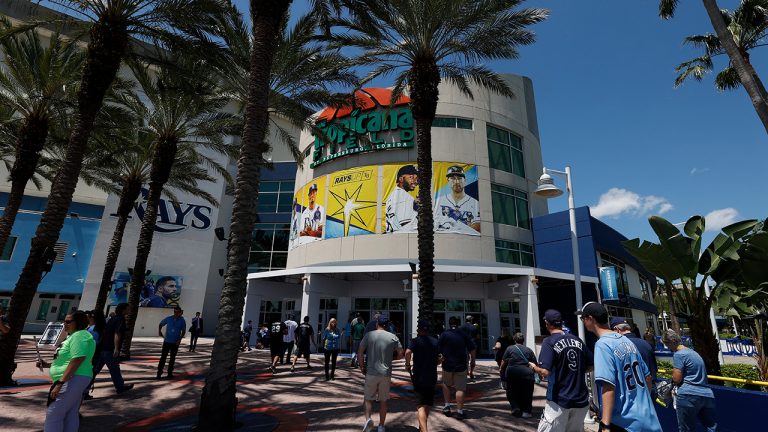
{"points": [[407, 169], [313, 188], [553, 316], [455, 170], [424, 324], [383, 320], [595, 310], [617, 321]]}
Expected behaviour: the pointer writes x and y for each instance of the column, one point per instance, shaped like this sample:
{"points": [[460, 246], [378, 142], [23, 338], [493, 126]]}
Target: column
{"points": [[252, 309], [310, 302], [414, 306], [529, 312]]}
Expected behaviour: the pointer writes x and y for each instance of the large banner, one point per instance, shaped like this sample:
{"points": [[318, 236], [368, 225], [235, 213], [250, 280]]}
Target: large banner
{"points": [[158, 291], [608, 283], [456, 205], [308, 219], [399, 204], [352, 202]]}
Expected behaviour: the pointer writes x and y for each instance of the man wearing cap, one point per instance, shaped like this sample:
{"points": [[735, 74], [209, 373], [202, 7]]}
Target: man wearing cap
{"points": [[401, 208], [425, 354], [455, 210], [622, 377], [564, 359], [381, 347], [455, 345], [621, 326], [312, 217]]}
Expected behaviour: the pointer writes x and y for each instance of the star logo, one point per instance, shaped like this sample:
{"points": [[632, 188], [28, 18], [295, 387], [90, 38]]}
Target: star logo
{"points": [[351, 206]]}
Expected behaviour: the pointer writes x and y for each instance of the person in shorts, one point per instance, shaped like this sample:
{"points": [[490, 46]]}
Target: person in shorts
{"points": [[304, 336], [276, 332], [357, 329], [455, 345], [377, 350], [425, 354]]}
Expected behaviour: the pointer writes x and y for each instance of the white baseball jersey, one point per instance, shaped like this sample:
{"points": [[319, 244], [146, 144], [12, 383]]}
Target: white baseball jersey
{"points": [[401, 211], [448, 213], [312, 217]]}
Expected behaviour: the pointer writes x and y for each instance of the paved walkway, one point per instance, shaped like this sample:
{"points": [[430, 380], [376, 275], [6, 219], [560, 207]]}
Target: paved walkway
{"points": [[302, 401]]}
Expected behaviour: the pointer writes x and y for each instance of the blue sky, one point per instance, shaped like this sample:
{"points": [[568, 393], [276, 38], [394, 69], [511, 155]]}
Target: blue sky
{"points": [[603, 76]]}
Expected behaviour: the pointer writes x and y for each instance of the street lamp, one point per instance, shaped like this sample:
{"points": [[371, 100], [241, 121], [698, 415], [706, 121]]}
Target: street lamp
{"points": [[548, 189]]}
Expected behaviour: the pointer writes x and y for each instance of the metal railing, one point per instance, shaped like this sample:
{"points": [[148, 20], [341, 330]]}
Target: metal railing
{"points": [[726, 379]]}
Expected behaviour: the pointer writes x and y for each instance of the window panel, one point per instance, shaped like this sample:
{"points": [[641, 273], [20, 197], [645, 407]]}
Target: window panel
{"points": [[518, 166], [445, 122], [505, 151], [279, 260], [287, 186], [439, 305], [454, 305], [285, 203], [259, 259], [498, 155], [362, 304], [281, 240], [262, 240], [503, 209], [268, 186], [523, 220], [505, 307], [379, 304], [267, 203], [8, 249], [463, 123], [473, 306], [398, 304]]}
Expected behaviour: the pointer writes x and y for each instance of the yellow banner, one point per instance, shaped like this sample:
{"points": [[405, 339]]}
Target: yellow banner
{"points": [[352, 202], [308, 219]]}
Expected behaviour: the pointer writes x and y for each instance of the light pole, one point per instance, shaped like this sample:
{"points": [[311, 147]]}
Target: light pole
{"points": [[547, 189]]}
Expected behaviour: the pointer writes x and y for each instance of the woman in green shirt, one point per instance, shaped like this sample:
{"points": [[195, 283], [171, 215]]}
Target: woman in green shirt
{"points": [[71, 373]]}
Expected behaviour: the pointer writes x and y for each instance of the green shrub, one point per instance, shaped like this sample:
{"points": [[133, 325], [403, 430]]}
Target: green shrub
{"points": [[727, 335], [741, 371], [667, 366]]}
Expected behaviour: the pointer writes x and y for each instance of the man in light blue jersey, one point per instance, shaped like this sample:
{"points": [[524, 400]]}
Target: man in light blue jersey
{"points": [[622, 377]]}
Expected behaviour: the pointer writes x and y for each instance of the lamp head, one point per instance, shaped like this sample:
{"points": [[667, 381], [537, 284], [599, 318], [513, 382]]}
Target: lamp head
{"points": [[547, 188]]}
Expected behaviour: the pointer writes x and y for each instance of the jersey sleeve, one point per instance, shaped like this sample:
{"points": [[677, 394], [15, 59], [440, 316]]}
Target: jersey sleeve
{"points": [[547, 356], [605, 364], [678, 363]]}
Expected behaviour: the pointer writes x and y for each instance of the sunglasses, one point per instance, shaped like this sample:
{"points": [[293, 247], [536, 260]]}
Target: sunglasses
{"points": [[68, 321]]}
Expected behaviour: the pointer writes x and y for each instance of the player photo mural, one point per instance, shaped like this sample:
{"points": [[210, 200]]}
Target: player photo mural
{"points": [[158, 291], [308, 219], [457, 209], [352, 202], [400, 203]]}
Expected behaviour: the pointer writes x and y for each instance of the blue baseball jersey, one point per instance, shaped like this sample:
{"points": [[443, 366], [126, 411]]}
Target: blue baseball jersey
{"points": [[618, 362]]}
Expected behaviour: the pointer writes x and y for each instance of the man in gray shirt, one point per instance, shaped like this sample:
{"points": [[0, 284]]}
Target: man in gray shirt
{"points": [[381, 347]]}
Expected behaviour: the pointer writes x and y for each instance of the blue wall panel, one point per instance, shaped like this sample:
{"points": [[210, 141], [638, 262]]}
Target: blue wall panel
{"points": [[552, 242]]}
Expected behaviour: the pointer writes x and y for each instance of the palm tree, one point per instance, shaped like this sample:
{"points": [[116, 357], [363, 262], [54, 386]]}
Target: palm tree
{"points": [[36, 84], [739, 59], [748, 25], [183, 116], [422, 42], [273, 73], [115, 29]]}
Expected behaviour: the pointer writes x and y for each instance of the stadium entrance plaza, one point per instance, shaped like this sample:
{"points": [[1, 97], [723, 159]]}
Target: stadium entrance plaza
{"points": [[302, 401]]}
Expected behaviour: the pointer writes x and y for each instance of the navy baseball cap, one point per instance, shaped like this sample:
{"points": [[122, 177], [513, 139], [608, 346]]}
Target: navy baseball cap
{"points": [[455, 171], [407, 169], [383, 320], [553, 316], [424, 325], [313, 188], [618, 321], [595, 310]]}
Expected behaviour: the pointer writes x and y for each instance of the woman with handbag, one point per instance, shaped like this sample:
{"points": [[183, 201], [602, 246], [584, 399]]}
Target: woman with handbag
{"points": [[331, 343], [519, 377]]}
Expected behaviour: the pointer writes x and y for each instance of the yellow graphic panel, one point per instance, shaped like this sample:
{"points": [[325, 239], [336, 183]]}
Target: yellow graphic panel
{"points": [[308, 219], [352, 202]]}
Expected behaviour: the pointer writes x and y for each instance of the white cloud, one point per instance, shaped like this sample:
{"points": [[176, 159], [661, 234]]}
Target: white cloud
{"points": [[698, 170], [619, 201], [717, 219]]}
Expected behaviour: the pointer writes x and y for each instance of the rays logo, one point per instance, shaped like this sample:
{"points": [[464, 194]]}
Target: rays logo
{"points": [[174, 217]]}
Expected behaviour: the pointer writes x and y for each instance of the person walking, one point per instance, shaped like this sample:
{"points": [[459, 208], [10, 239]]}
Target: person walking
{"points": [[622, 377], [381, 348], [471, 329], [649, 337], [289, 339], [519, 376], [621, 326], [195, 330], [455, 346], [276, 332], [695, 399], [174, 333], [357, 331], [564, 360], [502, 342], [110, 346], [304, 336], [71, 372], [247, 330], [331, 342], [423, 352]]}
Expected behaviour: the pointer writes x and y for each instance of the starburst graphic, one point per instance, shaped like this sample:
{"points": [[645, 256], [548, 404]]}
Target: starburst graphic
{"points": [[351, 206]]}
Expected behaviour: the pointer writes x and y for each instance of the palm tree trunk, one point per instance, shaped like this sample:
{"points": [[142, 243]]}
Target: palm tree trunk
{"points": [[704, 342], [108, 44], [423, 80], [747, 74], [672, 308], [218, 402], [32, 136], [162, 162], [128, 195]]}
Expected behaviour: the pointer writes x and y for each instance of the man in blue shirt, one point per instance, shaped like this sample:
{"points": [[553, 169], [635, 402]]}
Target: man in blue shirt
{"points": [[621, 326], [455, 345], [425, 354], [622, 378], [564, 359], [174, 333]]}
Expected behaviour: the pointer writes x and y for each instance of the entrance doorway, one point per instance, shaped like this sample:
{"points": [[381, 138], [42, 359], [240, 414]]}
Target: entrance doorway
{"points": [[394, 308], [447, 308]]}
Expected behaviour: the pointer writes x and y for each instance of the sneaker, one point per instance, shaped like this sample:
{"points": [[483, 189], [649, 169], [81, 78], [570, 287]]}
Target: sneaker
{"points": [[447, 410], [291, 369], [368, 426], [272, 369], [460, 415], [527, 415], [87, 397], [381, 428], [125, 388]]}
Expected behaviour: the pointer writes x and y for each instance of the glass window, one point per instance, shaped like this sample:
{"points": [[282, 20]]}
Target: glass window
{"points": [[454, 305], [452, 122], [279, 260], [262, 239], [8, 249], [505, 307], [379, 304], [259, 261], [271, 306], [439, 305], [510, 206], [516, 308], [472, 305], [63, 310], [505, 151], [621, 272], [514, 253], [42, 312], [463, 123], [397, 304], [284, 202], [362, 304]]}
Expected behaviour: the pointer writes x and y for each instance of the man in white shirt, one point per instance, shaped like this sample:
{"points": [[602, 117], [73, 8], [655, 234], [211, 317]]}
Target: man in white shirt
{"points": [[312, 218], [289, 339], [401, 209], [457, 210]]}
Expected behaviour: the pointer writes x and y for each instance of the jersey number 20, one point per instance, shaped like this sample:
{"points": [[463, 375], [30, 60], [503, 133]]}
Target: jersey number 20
{"points": [[633, 379]]}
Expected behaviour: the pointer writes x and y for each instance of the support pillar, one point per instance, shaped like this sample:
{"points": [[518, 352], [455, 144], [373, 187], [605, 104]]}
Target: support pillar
{"points": [[310, 302], [252, 309], [529, 312]]}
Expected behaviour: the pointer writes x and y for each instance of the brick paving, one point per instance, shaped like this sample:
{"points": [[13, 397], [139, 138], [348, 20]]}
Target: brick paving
{"points": [[285, 402]]}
